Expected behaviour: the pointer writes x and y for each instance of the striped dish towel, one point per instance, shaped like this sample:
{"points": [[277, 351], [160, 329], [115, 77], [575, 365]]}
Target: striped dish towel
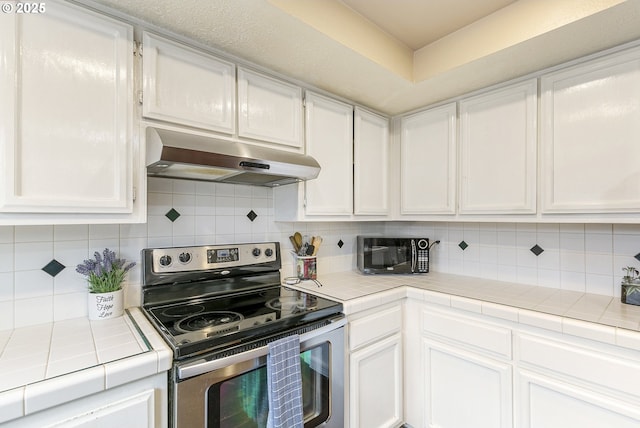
{"points": [[284, 383]]}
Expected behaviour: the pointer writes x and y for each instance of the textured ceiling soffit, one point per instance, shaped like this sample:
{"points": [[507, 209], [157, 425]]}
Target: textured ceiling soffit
{"points": [[257, 32]]}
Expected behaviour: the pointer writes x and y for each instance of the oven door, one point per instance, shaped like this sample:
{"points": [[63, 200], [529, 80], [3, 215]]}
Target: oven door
{"points": [[387, 255], [232, 391]]}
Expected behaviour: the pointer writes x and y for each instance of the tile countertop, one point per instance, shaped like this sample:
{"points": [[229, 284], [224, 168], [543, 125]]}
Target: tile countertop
{"points": [[592, 316], [45, 365]]}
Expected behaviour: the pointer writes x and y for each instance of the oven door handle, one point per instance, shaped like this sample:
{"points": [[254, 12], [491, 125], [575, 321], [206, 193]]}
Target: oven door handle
{"points": [[201, 366]]}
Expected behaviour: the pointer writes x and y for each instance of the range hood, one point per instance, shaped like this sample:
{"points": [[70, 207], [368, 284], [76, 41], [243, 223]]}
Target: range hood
{"points": [[185, 156]]}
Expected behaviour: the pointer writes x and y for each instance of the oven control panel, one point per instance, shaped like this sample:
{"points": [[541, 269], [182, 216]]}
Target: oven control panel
{"points": [[188, 259]]}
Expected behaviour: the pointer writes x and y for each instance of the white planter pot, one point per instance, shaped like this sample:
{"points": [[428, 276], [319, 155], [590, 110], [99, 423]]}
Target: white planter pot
{"points": [[104, 306]]}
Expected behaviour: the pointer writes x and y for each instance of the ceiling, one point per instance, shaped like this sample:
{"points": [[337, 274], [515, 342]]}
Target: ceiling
{"points": [[392, 56], [417, 23]]}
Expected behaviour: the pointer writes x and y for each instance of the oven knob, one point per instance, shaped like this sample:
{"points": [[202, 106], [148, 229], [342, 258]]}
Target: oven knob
{"points": [[268, 252], [165, 260], [256, 252], [184, 257], [423, 244]]}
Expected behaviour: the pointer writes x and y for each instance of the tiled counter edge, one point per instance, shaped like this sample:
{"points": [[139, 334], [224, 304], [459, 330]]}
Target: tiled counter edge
{"points": [[48, 393], [570, 326], [585, 329], [555, 310]]}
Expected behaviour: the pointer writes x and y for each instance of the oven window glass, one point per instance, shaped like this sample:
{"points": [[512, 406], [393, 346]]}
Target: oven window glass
{"points": [[243, 401]]}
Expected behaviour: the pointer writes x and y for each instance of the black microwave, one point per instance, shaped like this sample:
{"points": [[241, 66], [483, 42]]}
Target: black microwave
{"points": [[381, 255]]}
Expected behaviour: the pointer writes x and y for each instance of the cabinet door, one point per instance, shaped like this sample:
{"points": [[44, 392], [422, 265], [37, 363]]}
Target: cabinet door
{"points": [[498, 135], [464, 389], [544, 402], [139, 408], [140, 404], [371, 163], [428, 162], [329, 139], [376, 384], [269, 110], [67, 141], [589, 137], [185, 86]]}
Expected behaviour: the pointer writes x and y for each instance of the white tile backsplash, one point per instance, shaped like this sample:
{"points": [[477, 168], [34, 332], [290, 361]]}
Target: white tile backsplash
{"points": [[7, 235], [6, 257], [210, 213], [580, 257]]}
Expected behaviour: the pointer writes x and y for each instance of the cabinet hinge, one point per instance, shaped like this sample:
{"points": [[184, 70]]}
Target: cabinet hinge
{"points": [[140, 96], [135, 194], [137, 48]]}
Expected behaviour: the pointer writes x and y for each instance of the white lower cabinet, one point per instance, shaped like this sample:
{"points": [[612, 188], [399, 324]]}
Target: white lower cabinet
{"points": [[573, 384], [138, 407], [548, 402], [376, 384], [376, 368], [465, 389], [460, 370], [465, 369], [139, 404]]}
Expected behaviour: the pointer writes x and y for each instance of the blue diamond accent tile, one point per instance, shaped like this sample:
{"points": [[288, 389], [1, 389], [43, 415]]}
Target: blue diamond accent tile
{"points": [[463, 245], [340, 243], [54, 267], [637, 257], [252, 215], [172, 215], [536, 249]]}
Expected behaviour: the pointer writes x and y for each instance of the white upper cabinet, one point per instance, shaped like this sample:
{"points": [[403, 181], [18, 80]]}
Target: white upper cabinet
{"points": [[67, 144], [371, 163], [428, 162], [498, 146], [590, 136], [329, 139], [329, 135], [269, 110], [186, 86]]}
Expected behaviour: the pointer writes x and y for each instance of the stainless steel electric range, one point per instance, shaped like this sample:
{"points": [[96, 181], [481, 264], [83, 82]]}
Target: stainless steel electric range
{"points": [[218, 307]]}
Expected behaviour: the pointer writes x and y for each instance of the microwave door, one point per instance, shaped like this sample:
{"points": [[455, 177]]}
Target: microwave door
{"points": [[393, 256], [380, 257], [403, 260]]}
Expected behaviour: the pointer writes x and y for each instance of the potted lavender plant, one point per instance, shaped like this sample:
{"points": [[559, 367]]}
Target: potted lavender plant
{"points": [[105, 274]]}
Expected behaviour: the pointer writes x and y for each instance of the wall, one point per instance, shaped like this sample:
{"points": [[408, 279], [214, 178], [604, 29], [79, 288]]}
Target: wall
{"points": [[580, 257], [575, 257], [209, 214]]}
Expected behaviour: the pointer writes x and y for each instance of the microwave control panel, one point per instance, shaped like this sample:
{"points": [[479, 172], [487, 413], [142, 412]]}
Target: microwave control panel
{"points": [[423, 255]]}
